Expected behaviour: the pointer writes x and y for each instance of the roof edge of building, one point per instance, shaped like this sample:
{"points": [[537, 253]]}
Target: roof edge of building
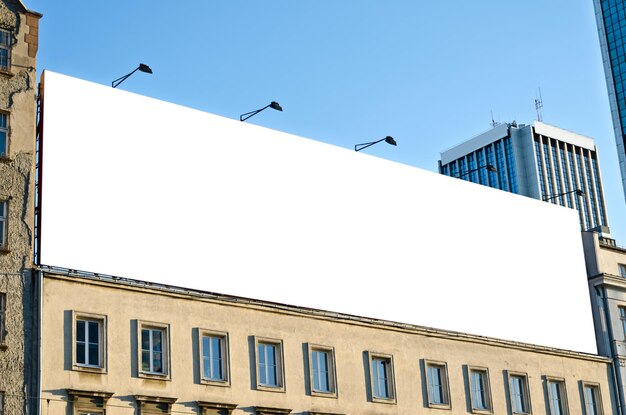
{"points": [[164, 289]]}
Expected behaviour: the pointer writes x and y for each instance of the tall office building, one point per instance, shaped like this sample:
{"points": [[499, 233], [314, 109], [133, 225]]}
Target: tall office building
{"points": [[539, 161], [611, 18]]}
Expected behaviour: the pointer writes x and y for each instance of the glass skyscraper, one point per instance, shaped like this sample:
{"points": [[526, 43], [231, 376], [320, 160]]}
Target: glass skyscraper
{"points": [[611, 19], [539, 161]]}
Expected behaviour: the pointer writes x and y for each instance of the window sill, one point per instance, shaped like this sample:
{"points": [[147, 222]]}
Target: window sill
{"points": [[440, 406], [5, 158], [222, 383], [154, 376], [482, 411], [389, 401], [3, 346], [89, 369], [332, 394], [6, 72], [264, 388], [4, 249]]}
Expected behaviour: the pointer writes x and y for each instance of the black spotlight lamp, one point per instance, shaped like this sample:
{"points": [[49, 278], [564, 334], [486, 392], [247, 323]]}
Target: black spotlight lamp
{"points": [[273, 105], [389, 140], [141, 68]]}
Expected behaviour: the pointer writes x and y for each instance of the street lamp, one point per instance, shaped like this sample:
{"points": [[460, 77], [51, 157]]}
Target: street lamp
{"points": [[550, 197], [141, 68], [489, 167], [389, 140], [273, 105]]}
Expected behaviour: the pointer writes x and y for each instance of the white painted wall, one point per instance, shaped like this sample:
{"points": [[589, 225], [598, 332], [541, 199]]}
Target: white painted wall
{"points": [[145, 189]]}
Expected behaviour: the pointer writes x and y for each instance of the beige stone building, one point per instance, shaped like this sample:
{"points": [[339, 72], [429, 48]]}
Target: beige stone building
{"points": [[18, 109], [74, 343], [123, 346], [606, 269]]}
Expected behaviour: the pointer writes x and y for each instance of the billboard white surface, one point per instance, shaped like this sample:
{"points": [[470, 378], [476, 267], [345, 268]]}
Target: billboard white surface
{"points": [[141, 188]]}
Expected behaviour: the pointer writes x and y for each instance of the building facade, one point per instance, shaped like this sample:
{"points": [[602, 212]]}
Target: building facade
{"points": [[606, 270], [18, 109], [119, 346], [539, 161], [611, 20]]}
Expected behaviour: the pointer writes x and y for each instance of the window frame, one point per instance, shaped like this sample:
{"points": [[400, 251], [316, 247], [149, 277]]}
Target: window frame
{"points": [[486, 384], [4, 225], [4, 152], [166, 353], [101, 319], [548, 380], [621, 269], [622, 318], [9, 47], [443, 366], [598, 396], [225, 358], [280, 364], [332, 372], [526, 392], [3, 313], [391, 384]]}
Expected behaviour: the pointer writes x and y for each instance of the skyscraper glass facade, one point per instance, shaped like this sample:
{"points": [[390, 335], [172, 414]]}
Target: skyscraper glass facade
{"points": [[550, 169], [611, 18]]}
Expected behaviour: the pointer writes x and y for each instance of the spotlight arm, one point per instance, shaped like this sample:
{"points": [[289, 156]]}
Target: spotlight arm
{"points": [[388, 139], [121, 79], [247, 115], [550, 197]]}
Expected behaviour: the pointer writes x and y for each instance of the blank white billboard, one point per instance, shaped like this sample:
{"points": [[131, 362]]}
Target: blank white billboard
{"points": [[141, 188]]}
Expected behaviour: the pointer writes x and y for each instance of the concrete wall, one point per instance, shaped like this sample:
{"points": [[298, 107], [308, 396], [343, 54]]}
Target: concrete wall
{"points": [[123, 303], [17, 98]]}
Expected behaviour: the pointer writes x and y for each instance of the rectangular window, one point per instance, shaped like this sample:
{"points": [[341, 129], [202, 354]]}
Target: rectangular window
{"points": [[322, 370], [5, 49], [593, 403], [557, 397], [480, 396], [1, 403], [622, 319], [437, 384], [622, 270], [519, 393], [269, 363], [3, 306], [154, 349], [4, 214], [89, 341], [381, 374], [4, 141], [214, 349]]}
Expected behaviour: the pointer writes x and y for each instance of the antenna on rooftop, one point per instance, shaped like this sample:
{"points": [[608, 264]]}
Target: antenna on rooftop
{"points": [[539, 106], [494, 123]]}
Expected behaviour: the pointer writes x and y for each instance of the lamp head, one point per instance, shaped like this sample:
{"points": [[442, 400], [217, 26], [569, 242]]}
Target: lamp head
{"points": [[491, 168], [579, 192], [144, 68], [276, 106], [389, 140]]}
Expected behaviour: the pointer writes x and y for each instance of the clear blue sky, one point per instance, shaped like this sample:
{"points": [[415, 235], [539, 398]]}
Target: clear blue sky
{"points": [[427, 73]]}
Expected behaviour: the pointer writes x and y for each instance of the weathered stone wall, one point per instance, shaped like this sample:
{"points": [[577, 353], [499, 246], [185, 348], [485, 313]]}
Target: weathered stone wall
{"points": [[17, 186]]}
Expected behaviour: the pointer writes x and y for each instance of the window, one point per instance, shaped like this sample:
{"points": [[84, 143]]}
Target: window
{"points": [[593, 403], [622, 318], [154, 350], [88, 402], [4, 214], [437, 384], [4, 141], [5, 49], [381, 374], [3, 307], [480, 391], [214, 349], [89, 341], [519, 393], [269, 363], [622, 270], [1, 403], [322, 370], [557, 397]]}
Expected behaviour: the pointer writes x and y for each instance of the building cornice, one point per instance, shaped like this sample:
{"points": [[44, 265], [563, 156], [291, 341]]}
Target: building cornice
{"points": [[267, 306]]}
